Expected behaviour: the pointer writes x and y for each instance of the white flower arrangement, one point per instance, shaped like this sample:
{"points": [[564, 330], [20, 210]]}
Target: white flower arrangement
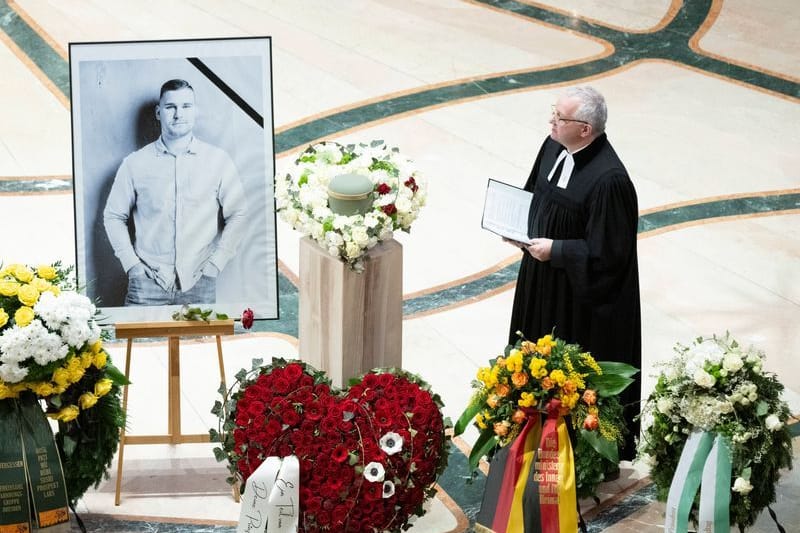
{"points": [[718, 386], [302, 197]]}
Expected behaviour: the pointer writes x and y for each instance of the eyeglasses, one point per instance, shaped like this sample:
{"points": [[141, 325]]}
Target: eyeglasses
{"points": [[562, 120]]}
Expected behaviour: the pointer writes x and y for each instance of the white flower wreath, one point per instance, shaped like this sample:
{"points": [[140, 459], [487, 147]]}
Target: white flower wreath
{"points": [[302, 197]]}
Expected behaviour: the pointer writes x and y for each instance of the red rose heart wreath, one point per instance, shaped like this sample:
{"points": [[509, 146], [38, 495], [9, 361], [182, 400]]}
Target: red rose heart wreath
{"points": [[369, 455]]}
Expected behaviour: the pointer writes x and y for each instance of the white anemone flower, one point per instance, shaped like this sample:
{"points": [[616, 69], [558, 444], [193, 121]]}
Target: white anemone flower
{"points": [[374, 472], [391, 443], [388, 489]]}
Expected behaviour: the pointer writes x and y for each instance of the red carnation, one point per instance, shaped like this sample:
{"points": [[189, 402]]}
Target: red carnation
{"points": [[340, 453], [411, 183], [389, 209], [247, 318], [383, 189]]}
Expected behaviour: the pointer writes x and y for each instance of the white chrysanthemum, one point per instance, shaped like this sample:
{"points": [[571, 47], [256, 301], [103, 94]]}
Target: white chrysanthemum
{"points": [[34, 341], [12, 372]]}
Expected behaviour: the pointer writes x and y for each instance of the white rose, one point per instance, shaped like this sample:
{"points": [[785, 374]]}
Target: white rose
{"points": [[352, 250], [773, 423], [704, 379], [360, 236], [742, 486], [732, 363]]}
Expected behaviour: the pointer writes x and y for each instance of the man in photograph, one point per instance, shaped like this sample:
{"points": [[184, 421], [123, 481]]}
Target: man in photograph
{"points": [[176, 211]]}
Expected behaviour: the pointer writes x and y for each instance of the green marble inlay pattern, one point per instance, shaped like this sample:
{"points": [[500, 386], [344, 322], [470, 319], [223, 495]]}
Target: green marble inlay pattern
{"points": [[670, 42], [41, 53]]}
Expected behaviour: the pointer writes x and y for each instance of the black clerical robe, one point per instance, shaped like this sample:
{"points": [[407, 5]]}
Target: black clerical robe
{"points": [[588, 292]]}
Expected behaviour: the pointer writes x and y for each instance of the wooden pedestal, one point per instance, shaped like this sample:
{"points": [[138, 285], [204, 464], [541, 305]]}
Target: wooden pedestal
{"points": [[351, 322]]}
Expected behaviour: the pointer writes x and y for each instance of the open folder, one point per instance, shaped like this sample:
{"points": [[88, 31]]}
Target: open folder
{"points": [[505, 211]]}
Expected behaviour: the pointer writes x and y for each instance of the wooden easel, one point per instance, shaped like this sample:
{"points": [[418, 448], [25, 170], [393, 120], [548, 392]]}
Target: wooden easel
{"points": [[173, 331]]}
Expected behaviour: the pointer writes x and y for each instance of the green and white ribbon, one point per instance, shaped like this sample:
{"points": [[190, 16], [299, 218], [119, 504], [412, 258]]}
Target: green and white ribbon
{"points": [[686, 481], [705, 460], [715, 491]]}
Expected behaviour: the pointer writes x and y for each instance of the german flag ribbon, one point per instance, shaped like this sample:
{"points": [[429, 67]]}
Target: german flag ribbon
{"points": [[531, 483]]}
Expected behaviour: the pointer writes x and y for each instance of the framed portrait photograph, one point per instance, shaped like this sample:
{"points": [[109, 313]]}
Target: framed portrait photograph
{"points": [[173, 166]]}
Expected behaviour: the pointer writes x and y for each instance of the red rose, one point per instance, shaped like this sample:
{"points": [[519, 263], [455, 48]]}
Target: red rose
{"points": [[247, 318], [390, 209], [292, 372], [383, 189]]}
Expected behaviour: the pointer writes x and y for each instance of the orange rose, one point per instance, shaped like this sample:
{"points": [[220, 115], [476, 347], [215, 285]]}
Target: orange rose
{"points": [[502, 390], [589, 397], [569, 387], [591, 422], [528, 347], [519, 379], [492, 400], [547, 383], [519, 416], [501, 428]]}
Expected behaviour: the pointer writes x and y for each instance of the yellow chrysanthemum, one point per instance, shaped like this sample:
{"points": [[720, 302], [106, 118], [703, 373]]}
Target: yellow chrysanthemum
{"points": [[87, 400], [527, 399], [545, 345], [538, 367], [67, 414], [61, 376], [589, 361], [22, 273], [570, 400], [514, 361], [96, 346], [102, 387], [24, 316], [485, 376], [28, 295], [3, 318], [479, 421], [558, 377], [8, 288], [46, 272]]}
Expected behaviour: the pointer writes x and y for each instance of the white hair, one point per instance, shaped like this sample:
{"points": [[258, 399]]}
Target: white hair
{"points": [[592, 108]]}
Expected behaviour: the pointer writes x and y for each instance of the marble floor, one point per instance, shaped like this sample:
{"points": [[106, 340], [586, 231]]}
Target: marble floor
{"points": [[703, 109]]}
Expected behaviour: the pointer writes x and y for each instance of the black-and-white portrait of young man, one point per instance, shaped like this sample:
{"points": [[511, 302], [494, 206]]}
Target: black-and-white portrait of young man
{"points": [[174, 164]]}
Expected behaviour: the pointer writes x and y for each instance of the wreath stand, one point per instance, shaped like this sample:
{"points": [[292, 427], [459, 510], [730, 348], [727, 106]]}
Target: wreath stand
{"points": [[174, 331]]}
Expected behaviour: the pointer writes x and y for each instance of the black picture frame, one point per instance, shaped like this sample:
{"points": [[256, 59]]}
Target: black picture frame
{"points": [[114, 92]]}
